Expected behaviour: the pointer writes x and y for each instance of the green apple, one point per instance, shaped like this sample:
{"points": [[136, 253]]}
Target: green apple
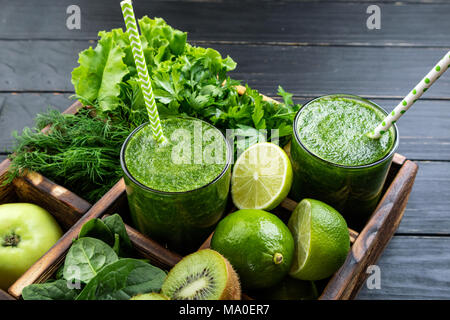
{"points": [[27, 231]]}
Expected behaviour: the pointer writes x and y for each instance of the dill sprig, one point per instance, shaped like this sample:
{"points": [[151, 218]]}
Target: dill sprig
{"points": [[79, 151]]}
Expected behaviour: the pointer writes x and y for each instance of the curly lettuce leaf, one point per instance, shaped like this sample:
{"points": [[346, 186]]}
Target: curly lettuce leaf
{"points": [[157, 34], [100, 73]]}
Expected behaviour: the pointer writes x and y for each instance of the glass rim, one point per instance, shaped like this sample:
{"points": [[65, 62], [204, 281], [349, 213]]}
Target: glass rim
{"points": [[355, 97], [143, 186]]}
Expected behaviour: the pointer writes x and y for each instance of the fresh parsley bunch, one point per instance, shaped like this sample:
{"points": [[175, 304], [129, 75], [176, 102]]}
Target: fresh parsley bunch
{"points": [[186, 80]]}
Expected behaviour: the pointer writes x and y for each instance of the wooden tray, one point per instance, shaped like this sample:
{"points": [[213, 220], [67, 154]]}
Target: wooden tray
{"points": [[72, 212]]}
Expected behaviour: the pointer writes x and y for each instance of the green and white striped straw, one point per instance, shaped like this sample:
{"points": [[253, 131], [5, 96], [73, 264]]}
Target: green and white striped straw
{"points": [[412, 97], [141, 66]]}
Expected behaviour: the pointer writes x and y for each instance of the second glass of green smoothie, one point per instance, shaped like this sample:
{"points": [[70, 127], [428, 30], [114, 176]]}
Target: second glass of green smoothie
{"points": [[335, 161], [177, 191]]}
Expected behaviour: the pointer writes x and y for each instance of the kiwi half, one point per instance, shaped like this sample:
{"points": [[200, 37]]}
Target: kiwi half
{"points": [[150, 296], [203, 275]]}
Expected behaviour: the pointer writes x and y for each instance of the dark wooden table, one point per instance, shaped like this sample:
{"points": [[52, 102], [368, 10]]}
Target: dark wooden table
{"points": [[310, 48]]}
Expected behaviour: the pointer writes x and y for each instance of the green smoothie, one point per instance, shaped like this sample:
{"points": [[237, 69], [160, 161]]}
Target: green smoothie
{"points": [[174, 166], [177, 191], [335, 161], [334, 129]]}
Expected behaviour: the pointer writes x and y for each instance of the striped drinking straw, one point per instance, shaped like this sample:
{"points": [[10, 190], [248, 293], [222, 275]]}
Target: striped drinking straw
{"points": [[412, 97], [141, 66]]}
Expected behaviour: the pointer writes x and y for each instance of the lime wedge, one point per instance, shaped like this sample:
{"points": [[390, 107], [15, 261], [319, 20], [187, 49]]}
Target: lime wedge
{"points": [[321, 240], [262, 177], [300, 226]]}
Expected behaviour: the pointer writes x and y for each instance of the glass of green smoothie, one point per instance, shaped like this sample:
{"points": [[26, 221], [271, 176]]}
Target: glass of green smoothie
{"points": [[335, 161], [177, 191]]}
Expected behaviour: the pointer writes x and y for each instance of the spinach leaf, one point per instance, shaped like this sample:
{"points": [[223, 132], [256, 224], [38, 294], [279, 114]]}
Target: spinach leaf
{"points": [[122, 280], [97, 228], [116, 225], [106, 230], [56, 290], [117, 242], [86, 257], [59, 274]]}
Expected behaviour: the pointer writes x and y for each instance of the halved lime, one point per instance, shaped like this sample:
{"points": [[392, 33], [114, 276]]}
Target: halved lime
{"points": [[321, 240], [262, 177]]}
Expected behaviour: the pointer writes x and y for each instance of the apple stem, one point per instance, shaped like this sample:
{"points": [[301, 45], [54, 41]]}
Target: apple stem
{"points": [[11, 240]]}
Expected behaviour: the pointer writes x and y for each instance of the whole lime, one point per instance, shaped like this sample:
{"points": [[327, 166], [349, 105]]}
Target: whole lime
{"points": [[258, 245]]}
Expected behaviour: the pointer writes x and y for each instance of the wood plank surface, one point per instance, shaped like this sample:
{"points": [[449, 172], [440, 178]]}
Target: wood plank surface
{"points": [[304, 71], [19, 110], [428, 209], [293, 22], [413, 268], [312, 71], [48, 68]]}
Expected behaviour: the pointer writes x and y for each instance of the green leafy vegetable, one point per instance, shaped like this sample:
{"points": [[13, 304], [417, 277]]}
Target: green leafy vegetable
{"points": [[96, 228], [116, 246], [59, 274], [122, 280], [111, 230], [98, 269], [86, 257], [116, 226], [81, 152], [100, 72], [56, 290], [188, 80]]}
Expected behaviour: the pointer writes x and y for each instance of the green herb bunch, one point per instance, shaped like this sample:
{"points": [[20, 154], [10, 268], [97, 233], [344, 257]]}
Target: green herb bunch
{"points": [[81, 152], [186, 80]]}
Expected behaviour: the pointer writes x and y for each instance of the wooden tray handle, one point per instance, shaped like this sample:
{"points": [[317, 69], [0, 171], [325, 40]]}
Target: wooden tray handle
{"points": [[372, 240]]}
